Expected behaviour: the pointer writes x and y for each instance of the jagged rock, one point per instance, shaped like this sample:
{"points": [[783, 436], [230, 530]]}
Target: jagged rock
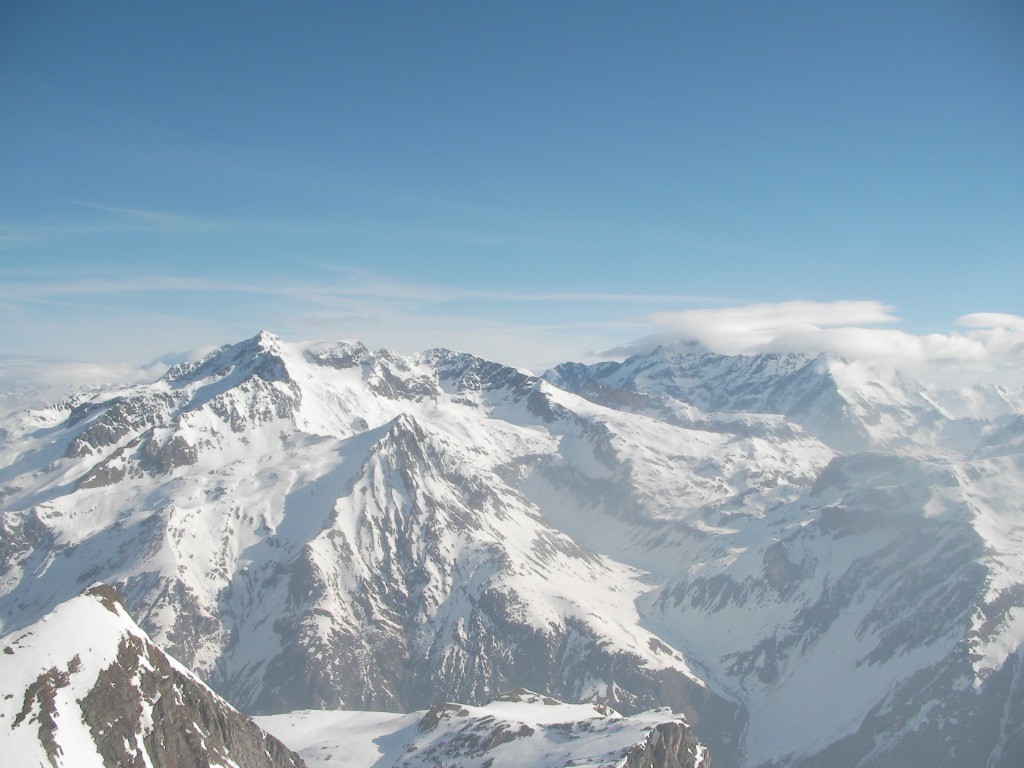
{"points": [[669, 745], [85, 687]]}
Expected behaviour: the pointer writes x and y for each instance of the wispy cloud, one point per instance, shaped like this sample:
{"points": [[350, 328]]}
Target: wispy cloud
{"points": [[31, 290], [105, 220], [152, 219], [349, 284], [407, 315], [109, 316], [88, 218]]}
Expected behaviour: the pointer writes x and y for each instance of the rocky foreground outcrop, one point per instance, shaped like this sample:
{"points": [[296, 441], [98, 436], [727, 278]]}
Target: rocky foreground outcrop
{"points": [[85, 687]]}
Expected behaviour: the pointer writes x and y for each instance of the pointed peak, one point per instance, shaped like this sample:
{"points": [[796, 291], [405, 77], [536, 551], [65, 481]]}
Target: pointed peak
{"points": [[81, 659], [824, 361], [260, 353], [262, 342], [404, 423], [404, 434], [107, 595], [266, 340]]}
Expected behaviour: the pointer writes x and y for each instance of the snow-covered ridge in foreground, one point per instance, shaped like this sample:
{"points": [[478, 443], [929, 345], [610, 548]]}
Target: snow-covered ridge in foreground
{"points": [[520, 729], [84, 686]]}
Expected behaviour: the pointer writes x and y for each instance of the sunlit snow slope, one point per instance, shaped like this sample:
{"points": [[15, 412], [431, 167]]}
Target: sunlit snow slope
{"points": [[84, 686], [520, 729]]}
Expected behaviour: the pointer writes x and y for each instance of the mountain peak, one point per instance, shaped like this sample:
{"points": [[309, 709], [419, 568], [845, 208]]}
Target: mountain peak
{"points": [[262, 352], [266, 339], [84, 686]]}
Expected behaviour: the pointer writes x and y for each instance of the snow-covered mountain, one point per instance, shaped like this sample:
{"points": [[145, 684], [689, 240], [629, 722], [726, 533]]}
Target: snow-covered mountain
{"points": [[816, 565], [520, 729], [892, 587], [322, 526], [981, 401], [848, 405], [84, 686]]}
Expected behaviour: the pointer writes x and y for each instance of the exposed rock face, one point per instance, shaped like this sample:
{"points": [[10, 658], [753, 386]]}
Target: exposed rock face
{"points": [[669, 745], [191, 727], [118, 702]]}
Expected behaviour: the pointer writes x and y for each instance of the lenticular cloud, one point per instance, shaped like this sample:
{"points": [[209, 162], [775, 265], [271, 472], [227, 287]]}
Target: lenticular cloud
{"points": [[759, 327], [993, 343]]}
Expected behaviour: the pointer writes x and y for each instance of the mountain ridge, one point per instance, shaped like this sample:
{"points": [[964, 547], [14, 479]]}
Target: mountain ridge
{"points": [[317, 524], [114, 698]]}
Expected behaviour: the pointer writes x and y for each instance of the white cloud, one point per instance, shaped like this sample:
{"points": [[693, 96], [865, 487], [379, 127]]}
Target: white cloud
{"points": [[991, 320], [758, 327], [31, 382], [94, 318], [991, 348]]}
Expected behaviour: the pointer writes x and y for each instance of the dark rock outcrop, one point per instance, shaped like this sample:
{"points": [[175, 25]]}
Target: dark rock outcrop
{"points": [[140, 707], [669, 745]]}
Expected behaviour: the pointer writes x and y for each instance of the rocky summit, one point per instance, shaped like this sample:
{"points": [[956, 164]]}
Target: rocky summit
{"points": [[84, 686]]}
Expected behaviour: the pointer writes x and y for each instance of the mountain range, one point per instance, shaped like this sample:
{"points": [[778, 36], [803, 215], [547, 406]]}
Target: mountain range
{"points": [[813, 562]]}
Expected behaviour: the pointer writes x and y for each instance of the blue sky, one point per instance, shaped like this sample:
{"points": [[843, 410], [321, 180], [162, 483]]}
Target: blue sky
{"points": [[528, 181]]}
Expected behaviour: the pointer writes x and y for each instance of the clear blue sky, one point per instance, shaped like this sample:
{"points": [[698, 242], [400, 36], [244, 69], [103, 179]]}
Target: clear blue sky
{"points": [[546, 176]]}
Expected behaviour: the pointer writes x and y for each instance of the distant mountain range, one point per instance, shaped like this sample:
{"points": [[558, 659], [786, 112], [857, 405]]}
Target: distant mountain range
{"points": [[814, 563]]}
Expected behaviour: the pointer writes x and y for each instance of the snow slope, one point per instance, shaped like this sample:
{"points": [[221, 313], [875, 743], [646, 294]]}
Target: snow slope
{"points": [[84, 686], [520, 729], [848, 405]]}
